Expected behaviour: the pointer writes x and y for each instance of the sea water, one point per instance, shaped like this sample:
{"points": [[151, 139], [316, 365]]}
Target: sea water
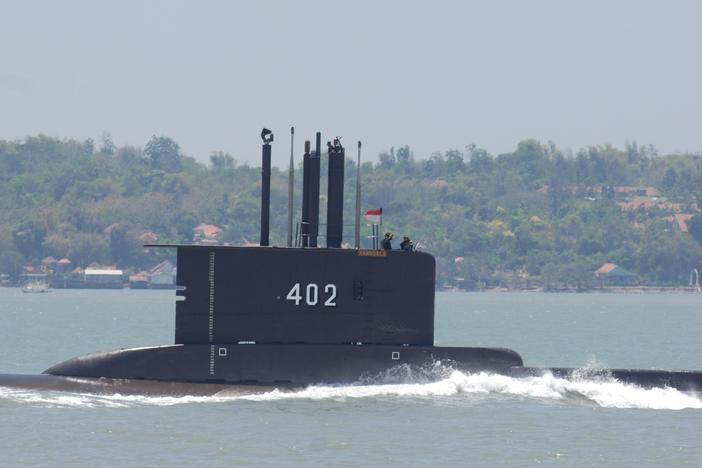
{"points": [[437, 416]]}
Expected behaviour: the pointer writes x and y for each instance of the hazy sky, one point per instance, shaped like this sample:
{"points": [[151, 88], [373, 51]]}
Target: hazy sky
{"points": [[433, 75]]}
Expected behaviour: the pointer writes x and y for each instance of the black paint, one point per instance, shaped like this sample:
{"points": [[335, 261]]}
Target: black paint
{"points": [[313, 210], [251, 286], [265, 193], [305, 224], [335, 196]]}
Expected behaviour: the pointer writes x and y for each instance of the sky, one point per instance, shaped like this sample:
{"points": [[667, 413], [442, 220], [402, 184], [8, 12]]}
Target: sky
{"points": [[432, 75]]}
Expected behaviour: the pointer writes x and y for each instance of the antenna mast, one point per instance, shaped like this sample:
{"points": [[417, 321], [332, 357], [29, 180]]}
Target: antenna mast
{"points": [[291, 187], [358, 199]]}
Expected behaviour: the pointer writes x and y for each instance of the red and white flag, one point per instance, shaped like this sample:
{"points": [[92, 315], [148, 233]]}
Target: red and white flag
{"points": [[374, 216]]}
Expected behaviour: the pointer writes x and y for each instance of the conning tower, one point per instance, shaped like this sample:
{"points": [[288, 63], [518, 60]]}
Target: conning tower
{"points": [[307, 295]]}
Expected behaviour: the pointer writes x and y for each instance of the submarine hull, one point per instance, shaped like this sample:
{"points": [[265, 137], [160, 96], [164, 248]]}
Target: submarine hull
{"points": [[685, 381], [277, 364], [141, 387]]}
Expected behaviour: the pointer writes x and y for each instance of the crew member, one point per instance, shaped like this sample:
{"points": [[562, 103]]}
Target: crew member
{"points": [[406, 245], [386, 241]]}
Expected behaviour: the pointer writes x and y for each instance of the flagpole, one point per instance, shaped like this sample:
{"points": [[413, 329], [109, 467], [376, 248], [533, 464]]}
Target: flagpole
{"points": [[358, 199]]}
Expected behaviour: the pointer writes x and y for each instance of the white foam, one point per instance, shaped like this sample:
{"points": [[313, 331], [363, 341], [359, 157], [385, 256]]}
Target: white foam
{"points": [[450, 384], [58, 399], [84, 400], [459, 385]]}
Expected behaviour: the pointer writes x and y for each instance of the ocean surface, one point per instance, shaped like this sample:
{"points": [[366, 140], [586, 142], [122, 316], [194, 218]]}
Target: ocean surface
{"points": [[439, 418]]}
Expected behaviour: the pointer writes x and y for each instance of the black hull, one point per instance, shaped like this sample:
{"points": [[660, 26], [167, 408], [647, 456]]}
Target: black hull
{"points": [[102, 386], [300, 365], [276, 364], [685, 381]]}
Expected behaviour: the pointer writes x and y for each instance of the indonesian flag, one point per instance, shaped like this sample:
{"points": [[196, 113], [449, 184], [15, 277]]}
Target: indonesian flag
{"points": [[374, 216]]}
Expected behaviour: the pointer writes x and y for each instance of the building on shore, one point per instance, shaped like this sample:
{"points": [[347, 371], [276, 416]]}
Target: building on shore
{"points": [[162, 276], [139, 280], [207, 234], [611, 274], [48, 265], [64, 266], [103, 278]]}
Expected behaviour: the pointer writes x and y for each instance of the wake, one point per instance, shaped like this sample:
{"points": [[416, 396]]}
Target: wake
{"points": [[402, 384], [607, 394]]}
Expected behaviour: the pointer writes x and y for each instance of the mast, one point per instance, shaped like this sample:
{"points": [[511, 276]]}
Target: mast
{"points": [[315, 159], [335, 194], [358, 199], [291, 187], [267, 137], [305, 224]]}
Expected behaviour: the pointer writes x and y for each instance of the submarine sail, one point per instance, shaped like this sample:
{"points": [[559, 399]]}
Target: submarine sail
{"points": [[288, 316]]}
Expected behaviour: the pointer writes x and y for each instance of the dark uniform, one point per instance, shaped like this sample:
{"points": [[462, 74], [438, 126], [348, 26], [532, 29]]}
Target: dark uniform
{"points": [[406, 245], [385, 243]]}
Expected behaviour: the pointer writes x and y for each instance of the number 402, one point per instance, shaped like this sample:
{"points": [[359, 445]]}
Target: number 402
{"points": [[312, 294]]}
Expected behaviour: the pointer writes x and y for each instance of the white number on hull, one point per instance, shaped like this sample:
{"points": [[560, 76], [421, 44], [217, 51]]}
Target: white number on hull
{"points": [[312, 294], [331, 290], [294, 294]]}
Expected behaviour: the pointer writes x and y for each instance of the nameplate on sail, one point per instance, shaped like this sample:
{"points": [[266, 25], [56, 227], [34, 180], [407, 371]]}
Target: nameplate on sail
{"points": [[372, 253]]}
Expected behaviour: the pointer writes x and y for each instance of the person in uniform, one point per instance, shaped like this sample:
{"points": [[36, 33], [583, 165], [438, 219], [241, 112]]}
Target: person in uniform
{"points": [[406, 245], [386, 241]]}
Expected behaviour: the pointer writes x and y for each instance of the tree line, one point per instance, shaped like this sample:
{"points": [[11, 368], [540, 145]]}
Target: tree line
{"points": [[537, 215]]}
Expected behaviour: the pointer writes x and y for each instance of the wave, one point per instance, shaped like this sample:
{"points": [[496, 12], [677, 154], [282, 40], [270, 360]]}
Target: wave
{"points": [[604, 393], [55, 399], [438, 382]]}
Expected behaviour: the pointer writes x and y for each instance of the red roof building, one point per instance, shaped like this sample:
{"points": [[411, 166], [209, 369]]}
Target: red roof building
{"points": [[680, 221], [613, 274], [208, 234]]}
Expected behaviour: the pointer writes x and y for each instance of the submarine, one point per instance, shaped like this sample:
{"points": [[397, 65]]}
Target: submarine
{"points": [[252, 318]]}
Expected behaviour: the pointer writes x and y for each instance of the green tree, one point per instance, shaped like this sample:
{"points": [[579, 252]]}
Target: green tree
{"points": [[163, 153], [694, 226], [124, 245], [11, 262], [670, 178], [107, 146], [222, 161]]}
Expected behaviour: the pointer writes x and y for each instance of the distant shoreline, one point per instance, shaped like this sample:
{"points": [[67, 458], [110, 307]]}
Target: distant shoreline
{"points": [[602, 290]]}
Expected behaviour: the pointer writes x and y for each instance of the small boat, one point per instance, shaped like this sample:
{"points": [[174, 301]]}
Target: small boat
{"points": [[36, 287]]}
